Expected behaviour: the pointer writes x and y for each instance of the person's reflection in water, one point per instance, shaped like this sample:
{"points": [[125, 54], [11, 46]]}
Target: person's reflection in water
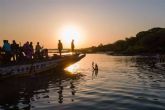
{"points": [[60, 93], [72, 89], [94, 73]]}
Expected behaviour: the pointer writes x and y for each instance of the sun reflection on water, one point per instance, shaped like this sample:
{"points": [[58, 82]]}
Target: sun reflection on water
{"points": [[73, 68]]}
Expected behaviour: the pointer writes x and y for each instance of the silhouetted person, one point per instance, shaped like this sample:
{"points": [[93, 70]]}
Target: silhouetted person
{"points": [[60, 47], [14, 48], [20, 54], [1, 57], [96, 67], [31, 49], [95, 70], [38, 50], [44, 53], [72, 46], [93, 65], [27, 50], [7, 49]]}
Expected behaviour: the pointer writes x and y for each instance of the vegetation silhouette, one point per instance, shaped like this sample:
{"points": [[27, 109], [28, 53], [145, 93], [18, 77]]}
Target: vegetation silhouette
{"points": [[145, 42]]}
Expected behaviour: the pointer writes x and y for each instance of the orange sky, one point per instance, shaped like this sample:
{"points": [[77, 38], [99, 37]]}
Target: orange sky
{"points": [[94, 21]]}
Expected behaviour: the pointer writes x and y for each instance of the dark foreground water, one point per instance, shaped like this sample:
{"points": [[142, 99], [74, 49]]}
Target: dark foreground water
{"points": [[122, 83]]}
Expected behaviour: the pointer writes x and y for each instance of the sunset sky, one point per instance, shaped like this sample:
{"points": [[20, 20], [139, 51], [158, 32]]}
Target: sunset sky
{"points": [[89, 22]]}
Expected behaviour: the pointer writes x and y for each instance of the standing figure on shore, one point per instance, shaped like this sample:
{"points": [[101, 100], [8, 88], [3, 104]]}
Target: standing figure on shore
{"points": [[60, 46], [72, 46]]}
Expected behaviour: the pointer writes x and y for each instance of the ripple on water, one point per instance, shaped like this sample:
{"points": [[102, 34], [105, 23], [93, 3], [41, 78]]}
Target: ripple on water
{"points": [[118, 85]]}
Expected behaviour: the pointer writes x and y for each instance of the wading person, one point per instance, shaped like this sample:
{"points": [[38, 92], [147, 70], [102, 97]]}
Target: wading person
{"points": [[60, 47], [72, 46]]}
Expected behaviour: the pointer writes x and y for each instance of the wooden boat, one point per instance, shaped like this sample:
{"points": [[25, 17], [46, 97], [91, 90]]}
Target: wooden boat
{"points": [[39, 66]]}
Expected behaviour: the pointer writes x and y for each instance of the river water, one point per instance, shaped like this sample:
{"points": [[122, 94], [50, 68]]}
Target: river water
{"points": [[121, 83]]}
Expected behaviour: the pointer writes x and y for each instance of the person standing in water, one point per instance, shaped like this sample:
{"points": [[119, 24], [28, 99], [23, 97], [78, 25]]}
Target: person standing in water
{"points": [[96, 67], [60, 47], [95, 70], [93, 65], [72, 46]]}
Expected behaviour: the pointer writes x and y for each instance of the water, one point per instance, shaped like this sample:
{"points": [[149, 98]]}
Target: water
{"points": [[122, 83]]}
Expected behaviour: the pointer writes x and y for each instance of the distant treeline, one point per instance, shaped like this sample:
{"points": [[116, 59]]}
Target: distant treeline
{"points": [[145, 42]]}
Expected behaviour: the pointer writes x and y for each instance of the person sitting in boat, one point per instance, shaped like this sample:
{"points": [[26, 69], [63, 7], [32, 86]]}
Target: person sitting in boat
{"points": [[72, 46], [1, 57], [27, 50], [14, 48], [21, 56], [44, 53], [38, 50], [0, 50], [60, 46], [7, 49], [31, 50]]}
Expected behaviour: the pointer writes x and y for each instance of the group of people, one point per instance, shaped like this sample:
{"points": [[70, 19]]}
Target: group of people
{"points": [[60, 46], [15, 52]]}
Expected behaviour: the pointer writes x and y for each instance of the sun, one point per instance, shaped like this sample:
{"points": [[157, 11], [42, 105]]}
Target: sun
{"points": [[69, 33]]}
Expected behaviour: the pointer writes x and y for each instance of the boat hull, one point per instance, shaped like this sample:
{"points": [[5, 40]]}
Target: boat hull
{"points": [[39, 67]]}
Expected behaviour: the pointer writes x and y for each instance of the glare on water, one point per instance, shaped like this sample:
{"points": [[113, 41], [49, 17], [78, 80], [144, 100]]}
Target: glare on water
{"points": [[73, 68]]}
